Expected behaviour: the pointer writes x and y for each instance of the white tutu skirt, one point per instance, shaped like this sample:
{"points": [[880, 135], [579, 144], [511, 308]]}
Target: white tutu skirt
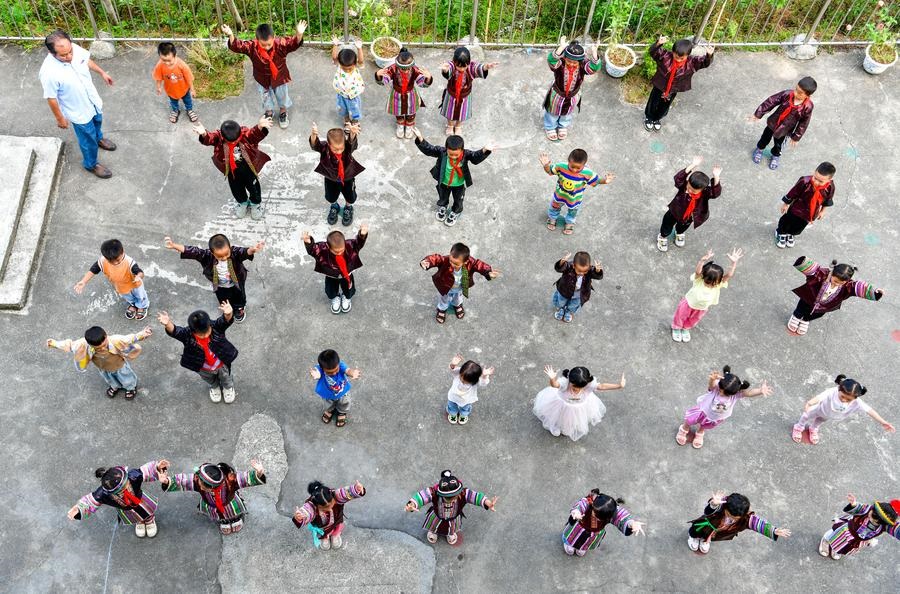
{"points": [[572, 418]]}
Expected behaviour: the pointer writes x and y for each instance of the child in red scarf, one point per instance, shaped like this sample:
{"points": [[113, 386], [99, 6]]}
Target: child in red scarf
{"points": [[337, 258], [339, 168], [805, 204], [460, 73], [793, 110], [691, 203], [674, 71]]}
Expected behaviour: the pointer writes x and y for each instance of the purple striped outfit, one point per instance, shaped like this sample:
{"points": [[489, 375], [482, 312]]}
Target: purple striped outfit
{"points": [[233, 508], [445, 514], [577, 536], [139, 514]]}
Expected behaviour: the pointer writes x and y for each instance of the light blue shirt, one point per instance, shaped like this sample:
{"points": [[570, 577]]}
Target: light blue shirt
{"points": [[71, 85]]}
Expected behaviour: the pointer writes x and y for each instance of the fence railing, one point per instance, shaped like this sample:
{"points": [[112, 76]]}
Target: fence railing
{"points": [[445, 22]]}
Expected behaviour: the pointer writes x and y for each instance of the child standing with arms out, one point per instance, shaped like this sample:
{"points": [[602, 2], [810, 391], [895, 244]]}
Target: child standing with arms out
{"points": [[570, 66], [793, 110], [339, 168], [268, 55], [223, 266], [236, 154], [574, 288], [674, 71], [453, 278], [206, 349], [175, 76], [569, 406], [709, 279], [404, 101], [724, 517], [571, 180], [460, 73], [124, 274], [348, 82], [834, 404], [109, 354], [323, 513], [714, 407], [337, 258], [333, 385], [805, 204], [447, 497], [690, 204], [451, 172], [589, 518], [463, 393], [859, 526]]}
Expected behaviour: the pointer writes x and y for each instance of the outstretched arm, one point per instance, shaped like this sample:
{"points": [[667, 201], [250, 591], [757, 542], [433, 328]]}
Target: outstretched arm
{"points": [[735, 255], [764, 389], [887, 426]]}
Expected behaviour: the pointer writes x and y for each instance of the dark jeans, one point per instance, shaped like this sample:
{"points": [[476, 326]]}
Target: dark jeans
{"points": [[791, 224], [187, 100], [458, 193], [89, 136], [334, 189], [244, 184], [669, 222], [336, 286], [657, 107], [767, 137], [804, 312], [235, 295]]}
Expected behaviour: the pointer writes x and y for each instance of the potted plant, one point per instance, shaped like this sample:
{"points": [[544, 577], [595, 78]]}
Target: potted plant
{"points": [[881, 53], [618, 59], [384, 48]]}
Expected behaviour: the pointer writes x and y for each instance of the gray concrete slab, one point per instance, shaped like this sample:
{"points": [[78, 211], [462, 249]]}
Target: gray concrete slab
{"points": [[57, 425], [18, 160]]}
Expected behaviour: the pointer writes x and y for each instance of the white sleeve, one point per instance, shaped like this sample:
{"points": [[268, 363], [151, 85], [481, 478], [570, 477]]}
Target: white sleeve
{"points": [[49, 85], [863, 406]]}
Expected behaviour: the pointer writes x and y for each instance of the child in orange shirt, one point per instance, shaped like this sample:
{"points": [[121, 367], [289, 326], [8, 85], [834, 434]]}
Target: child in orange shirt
{"points": [[173, 74], [124, 274]]}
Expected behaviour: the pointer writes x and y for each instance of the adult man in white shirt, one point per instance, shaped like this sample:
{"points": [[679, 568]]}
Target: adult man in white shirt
{"points": [[66, 79]]}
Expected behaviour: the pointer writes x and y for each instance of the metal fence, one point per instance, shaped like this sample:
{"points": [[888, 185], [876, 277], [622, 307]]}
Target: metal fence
{"points": [[445, 22]]}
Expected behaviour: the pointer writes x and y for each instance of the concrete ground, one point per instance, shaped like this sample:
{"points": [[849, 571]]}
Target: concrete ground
{"points": [[57, 425]]}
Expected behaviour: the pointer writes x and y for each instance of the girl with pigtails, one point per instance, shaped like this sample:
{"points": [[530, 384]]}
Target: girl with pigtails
{"points": [[837, 404], [589, 518]]}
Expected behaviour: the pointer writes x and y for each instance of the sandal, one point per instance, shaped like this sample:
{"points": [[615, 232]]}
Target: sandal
{"points": [[111, 392], [568, 229], [797, 434], [813, 436], [129, 313], [130, 394], [457, 129], [341, 420], [326, 416], [140, 313], [773, 163], [192, 115], [682, 435], [173, 116], [460, 312], [552, 135], [698, 440], [562, 133], [440, 316], [448, 130], [551, 224]]}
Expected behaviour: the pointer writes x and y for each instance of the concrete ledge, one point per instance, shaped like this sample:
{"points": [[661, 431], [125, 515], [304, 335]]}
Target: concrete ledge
{"points": [[18, 161]]}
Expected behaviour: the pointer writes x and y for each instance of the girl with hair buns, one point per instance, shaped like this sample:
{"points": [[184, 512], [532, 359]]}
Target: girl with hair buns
{"points": [[824, 291], [588, 520], [569, 406], [724, 390], [323, 513], [460, 73], [447, 497], [404, 100], [121, 488], [570, 64], [859, 526], [836, 404]]}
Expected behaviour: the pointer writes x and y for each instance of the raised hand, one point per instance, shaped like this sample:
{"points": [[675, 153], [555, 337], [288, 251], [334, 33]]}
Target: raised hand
{"points": [[424, 264], [888, 427], [662, 39], [199, 129], [491, 65], [315, 130], [358, 43], [225, 308], [488, 147], [73, 512], [417, 133], [566, 257], [301, 28], [169, 243], [411, 506], [695, 162], [577, 515], [257, 466], [147, 332], [264, 122], [314, 373], [717, 171], [164, 318], [638, 527], [79, 287], [227, 31], [563, 42], [851, 499], [162, 467], [490, 503], [306, 237], [736, 254], [718, 497], [610, 176], [364, 229], [359, 487], [456, 360], [784, 207], [544, 158], [765, 389], [622, 381], [494, 274], [550, 371], [753, 118], [488, 372], [354, 373], [260, 246], [782, 532], [707, 256]]}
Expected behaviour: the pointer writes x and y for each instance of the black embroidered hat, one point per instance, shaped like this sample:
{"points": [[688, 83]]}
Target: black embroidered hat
{"points": [[448, 485]]}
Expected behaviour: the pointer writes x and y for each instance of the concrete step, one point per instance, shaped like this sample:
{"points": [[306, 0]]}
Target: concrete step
{"points": [[17, 159], [28, 230]]}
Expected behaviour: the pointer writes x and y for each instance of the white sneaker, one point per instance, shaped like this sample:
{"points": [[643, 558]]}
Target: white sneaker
{"points": [[345, 304], [679, 240], [570, 550], [452, 419], [452, 538], [581, 552], [336, 305], [215, 394], [662, 243], [432, 537], [793, 324], [401, 131], [337, 542], [151, 529], [693, 543], [409, 132], [140, 530], [463, 420], [704, 546], [240, 209], [228, 395], [780, 240], [325, 544], [676, 334], [685, 335], [256, 212], [790, 241]]}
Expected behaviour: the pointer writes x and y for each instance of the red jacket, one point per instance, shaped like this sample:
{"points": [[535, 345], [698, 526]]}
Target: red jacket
{"points": [[325, 260], [800, 198], [443, 278], [682, 199], [248, 143], [262, 72], [794, 124], [664, 61]]}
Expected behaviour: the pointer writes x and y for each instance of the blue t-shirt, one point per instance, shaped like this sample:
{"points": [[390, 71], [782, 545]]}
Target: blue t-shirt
{"points": [[333, 387]]}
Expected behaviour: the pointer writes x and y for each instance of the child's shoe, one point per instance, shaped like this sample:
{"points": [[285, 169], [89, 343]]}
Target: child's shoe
{"points": [[581, 552], [698, 439], [152, 530], [140, 530], [562, 133], [432, 537], [256, 212], [780, 240], [567, 317], [130, 312], [814, 436], [463, 420], [679, 240], [451, 219], [452, 538], [337, 542], [336, 305], [757, 156], [648, 125], [682, 435], [773, 162], [325, 544], [408, 133], [283, 120], [824, 547], [559, 314], [793, 324], [569, 549], [802, 327], [140, 313], [552, 135], [192, 116], [790, 241], [333, 211], [347, 216], [345, 304], [685, 335], [693, 543], [173, 116], [704, 546], [240, 209], [797, 433], [662, 243], [228, 395], [268, 114], [676, 334], [215, 394], [657, 126], [441, 213], [401, 131], [453, 419], [239, 315]]}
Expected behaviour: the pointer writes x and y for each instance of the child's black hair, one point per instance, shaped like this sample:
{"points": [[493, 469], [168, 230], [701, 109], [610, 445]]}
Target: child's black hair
{"points": [[111, 249], [455, 142], [605, 506], [581, 259], [218, 242], [319, 493], [826, 168], [230, 130], [731, 384], [578, 376], [737, 505], [109, 477], [578, 156], [842, 272], [264, 32], [404, 57], [198, 321], [329, 359], [335, 239], [850, 387], [808, 85], [459, 250], [347, 57], [166, 48], [698, 180], [712, 274], [470, 372], [336, 136], [461, 56], [95, 335], [683, 47]]}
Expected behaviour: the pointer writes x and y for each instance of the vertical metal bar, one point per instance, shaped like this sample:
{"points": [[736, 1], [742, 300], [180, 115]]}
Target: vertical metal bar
{"points": [[474, 21], [487, 20], [666, 20], [447, 26], [537, 21], [834, 15], [718, 19], [637, 30], [219, 14], [603, 20], [321, 36], [512, 20], [575, 19], [90, 13], [843, 20], [434, 31], [712, 5], [562, 22], [462, 8], [815, 24], [590, 19], [346, 22]]}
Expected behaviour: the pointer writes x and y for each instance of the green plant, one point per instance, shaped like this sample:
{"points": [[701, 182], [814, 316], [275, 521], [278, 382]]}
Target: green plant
{"points": [[218, 72], [618, 13], [882, 36]]}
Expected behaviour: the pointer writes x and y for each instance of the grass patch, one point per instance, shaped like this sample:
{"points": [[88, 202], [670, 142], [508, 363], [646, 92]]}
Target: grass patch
{"points": [[635, 87], [218, 72]]}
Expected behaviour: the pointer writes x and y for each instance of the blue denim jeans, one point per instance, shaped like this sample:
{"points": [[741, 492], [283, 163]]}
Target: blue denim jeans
{"points": [[552, 122], [350, 108], [458, 410], [570, 305], [89, 136], [271, 97], [453, 297], [123, 379], [137, 297], [187, 100], [555, 209]]}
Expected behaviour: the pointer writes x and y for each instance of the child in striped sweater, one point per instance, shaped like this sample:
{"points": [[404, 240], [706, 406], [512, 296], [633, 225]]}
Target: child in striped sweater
{"points": [[447, 497], [571, 179], [589, 518], [724, 517]]}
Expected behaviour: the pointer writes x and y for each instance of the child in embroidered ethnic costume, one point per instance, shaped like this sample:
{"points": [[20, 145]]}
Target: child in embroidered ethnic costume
{"points": [[404, 101], [110, 354], [835, 404], [223, 266], [333, 385], [447, 497], [569, 405], [793, 110], [571, 179], [339, 168], [824, 291], [206, 349], [589, 518], [453, 278], [122, 488], [859, 526], [236, 154], [219, 488], [674, 71], [337, 258], [348, 82], [574, 288], [451, 172], [124, 275], [724, 517], [323, 513], [268, 55], [805, 204], [709, 279], [714, 407], [463, 393], [569, 65], [690, 204], [460, 73]]}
